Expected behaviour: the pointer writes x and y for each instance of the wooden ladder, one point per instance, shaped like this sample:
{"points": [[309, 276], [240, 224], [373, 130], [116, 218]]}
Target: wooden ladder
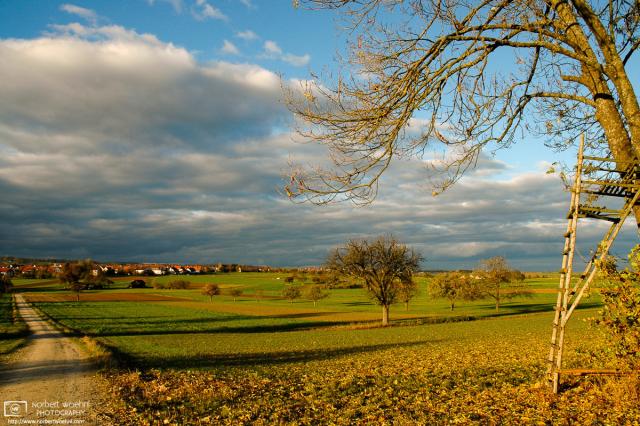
{"points": [[625, 186]]}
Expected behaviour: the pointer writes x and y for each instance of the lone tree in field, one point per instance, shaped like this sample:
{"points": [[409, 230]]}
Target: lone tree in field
{"points": [[291, 293], [211, 290], [382, 264], [407, 290], [454, 286], [497, 281], [468, 76], [76, 276], [316, 293], [5, 284], [235, 293]]}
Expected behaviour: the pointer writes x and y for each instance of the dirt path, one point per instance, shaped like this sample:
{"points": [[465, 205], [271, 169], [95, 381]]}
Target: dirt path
{"points": [[50, 378]]}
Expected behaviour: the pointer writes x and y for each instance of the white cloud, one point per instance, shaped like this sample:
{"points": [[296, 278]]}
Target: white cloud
{"points": [[247, 35], [229, 48], [248, 3], [117, 145], [273, 51], [271, 46], [203, 10], [296, 61], [177, 4], [82, 12], [108, 83]]}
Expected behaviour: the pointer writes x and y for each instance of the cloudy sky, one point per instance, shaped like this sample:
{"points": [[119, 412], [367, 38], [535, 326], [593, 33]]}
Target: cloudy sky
{"points": [[154, 130]]}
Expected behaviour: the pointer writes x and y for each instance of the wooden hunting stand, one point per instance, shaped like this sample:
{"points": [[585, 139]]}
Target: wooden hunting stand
{"points": [[596, 178]]}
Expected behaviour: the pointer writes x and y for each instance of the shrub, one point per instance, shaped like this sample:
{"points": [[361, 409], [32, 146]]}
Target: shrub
{"points": [[5, 284], [137, 284], [179, 284], [620, 315]]}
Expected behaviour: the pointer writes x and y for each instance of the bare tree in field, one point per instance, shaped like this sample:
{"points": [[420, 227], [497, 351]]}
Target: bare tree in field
{"points": [[407, 290], [235, 293], [454, 286], [382, 264], [211, 289], [291, 293], [467, 75], [316, 293], [75, 276], [497, 281]]}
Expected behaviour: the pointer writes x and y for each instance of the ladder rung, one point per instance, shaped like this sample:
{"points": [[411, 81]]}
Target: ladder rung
{"points": [[610, 183], [599, 210]]}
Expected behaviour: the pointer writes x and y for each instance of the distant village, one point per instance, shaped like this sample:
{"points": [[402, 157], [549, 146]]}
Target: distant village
{"points": [[51, 269]]}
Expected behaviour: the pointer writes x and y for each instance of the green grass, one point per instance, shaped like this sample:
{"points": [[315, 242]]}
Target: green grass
{"points": [[219, 334], [349, 300], [13, 330]]}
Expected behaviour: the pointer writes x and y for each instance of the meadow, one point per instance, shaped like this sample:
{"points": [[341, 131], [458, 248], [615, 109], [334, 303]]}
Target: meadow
{"points": [[261, 359]]}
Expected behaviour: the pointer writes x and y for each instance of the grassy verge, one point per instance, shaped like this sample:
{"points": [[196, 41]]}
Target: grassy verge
{"points": [[13, 331]]}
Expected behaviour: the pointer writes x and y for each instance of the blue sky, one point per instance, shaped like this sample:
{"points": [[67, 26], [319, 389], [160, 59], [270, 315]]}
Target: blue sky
{"points": [[155, 131]]}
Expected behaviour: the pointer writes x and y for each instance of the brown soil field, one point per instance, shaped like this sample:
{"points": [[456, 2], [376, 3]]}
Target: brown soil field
{"points": [[102, 297]]}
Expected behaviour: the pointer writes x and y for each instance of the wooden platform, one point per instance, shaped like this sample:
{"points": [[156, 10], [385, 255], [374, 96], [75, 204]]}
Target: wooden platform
{"points": [[596, 372]]}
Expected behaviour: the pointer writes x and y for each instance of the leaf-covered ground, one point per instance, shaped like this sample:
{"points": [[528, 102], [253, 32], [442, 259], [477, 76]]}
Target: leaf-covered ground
{"points": [[481, 372]]}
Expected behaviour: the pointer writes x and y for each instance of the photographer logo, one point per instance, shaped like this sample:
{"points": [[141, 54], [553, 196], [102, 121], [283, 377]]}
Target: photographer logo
{"points": [[15, 408]]}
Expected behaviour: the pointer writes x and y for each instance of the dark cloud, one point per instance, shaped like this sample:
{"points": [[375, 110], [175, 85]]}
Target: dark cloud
{"points": [[117, 146]]}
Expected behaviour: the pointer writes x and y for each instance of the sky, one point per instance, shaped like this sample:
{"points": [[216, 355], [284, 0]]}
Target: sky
{"points": [[155, 131]]}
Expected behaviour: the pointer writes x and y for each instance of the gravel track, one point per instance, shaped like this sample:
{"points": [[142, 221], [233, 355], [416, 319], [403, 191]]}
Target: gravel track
{"points": [[49, 372]]}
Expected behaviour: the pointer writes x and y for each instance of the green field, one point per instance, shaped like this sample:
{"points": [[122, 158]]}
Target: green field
{"points": [[265, 360], [12, 330]]}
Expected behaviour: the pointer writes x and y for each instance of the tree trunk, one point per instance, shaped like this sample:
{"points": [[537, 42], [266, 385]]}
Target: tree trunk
{"points": [[77, 297], [385, 315], [314, 303], [406, 305], [453, 305], [623, 143]]}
